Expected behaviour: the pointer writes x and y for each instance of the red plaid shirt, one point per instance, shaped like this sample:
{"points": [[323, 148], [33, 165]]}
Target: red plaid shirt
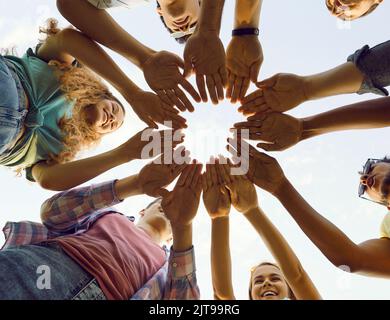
{"points": [[74, 211]]}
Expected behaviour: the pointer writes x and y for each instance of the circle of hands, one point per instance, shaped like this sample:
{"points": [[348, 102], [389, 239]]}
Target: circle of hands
{"points": [[216, 71]]}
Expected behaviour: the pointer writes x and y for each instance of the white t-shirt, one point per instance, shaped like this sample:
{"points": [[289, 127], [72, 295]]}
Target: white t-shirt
{"points": [[106, 4], [385, 227]]}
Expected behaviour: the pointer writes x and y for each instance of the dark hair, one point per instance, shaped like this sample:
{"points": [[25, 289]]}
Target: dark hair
{"points": [[153, 202], [373, 7], [385, 159], [290, 292], [181, 40]]}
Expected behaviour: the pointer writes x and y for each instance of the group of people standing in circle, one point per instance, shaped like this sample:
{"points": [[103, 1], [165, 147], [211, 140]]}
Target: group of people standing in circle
{"points": [[53, 104]]}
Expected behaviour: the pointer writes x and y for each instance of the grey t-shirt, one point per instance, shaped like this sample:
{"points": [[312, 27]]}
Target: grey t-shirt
{"points": [[374, 63]]}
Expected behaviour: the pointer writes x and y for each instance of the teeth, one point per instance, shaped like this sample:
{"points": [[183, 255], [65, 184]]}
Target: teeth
{"points": [[269, 293]]}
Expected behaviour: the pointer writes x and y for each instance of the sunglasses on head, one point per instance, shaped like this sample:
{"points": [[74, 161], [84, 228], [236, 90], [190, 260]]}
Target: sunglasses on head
{"points": [[367, 168], [180, 34]]}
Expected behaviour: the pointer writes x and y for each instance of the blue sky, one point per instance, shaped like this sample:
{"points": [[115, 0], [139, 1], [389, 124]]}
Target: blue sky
{"points": [[302, 39]]}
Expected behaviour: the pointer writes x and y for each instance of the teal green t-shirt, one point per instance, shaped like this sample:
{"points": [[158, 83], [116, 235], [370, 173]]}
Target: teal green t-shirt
{"points": [[47, 106]]}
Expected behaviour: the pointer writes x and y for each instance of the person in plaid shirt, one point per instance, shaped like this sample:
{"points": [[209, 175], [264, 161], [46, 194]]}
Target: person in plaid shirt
{"points": [[86, 249]]}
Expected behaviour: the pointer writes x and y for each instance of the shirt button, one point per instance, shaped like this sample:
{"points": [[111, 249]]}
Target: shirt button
{"points": [[174, 264]]}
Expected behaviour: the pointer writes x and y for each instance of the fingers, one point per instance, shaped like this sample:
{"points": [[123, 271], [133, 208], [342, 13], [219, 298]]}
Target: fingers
{"points": [[184, 175], [270, 146], [175, 100], [187, 67], [183, 98], [254, 72], [219, 86], [201, 87], [190, 89], [237, 89], [253, 96], [268, 83], [230, 85], [224, 75], [149, 121], [244, 88], [212, 89]]}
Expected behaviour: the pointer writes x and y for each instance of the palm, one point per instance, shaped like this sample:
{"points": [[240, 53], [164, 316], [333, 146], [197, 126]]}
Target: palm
{"points": [[286, 93], [206, 54], [162, 71], [217, 203], [154, 177], [243, 195], [243, 53]]}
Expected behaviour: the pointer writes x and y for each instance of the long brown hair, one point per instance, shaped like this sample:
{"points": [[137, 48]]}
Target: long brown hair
{"points": [[291, 294], [83, 88]]}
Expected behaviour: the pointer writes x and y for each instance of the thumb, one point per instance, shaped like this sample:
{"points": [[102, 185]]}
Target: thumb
{"points": [[268, 83], [269, 147], [162, 192]]}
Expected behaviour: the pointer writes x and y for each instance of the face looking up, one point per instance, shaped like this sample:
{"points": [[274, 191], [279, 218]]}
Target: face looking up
{"points": [[105, 116], [154, 215], [351, 9], [268, 283], [179, 15], [377, 183]]}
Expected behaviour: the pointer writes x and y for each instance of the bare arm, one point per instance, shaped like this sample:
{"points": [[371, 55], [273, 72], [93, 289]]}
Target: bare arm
{"points": [[370, 258], [299, 281], [363, 115], [221, 269], [247, 13], [99, 26]]}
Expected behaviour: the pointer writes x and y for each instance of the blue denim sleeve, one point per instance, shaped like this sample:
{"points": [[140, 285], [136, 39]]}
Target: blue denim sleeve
{"points": [[374, 63]]}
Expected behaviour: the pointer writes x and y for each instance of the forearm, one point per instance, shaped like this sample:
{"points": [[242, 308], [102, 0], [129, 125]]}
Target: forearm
{"points": [[99, 26], [277, 245], [211, 15], [182, 237], [68, 175], [247, 13], [330, 240], [363, 115], [221, 271], [343, 79], [90, 54], [127, 187]]}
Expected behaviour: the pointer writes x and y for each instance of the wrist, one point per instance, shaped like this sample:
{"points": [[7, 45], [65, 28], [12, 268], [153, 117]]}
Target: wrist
{"points": [[182, 237], [245, 32], [145, 55], [251, 210], [281, 188], [127, 187]]}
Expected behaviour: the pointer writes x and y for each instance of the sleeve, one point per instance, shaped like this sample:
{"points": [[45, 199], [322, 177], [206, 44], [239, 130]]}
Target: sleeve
{"points": [[67, 210], [106, 4], [385, 227], [374, 63], [181, 280]]}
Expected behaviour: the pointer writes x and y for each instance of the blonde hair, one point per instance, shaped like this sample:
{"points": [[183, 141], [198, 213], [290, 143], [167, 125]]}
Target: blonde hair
{"points": [[84, 89]]}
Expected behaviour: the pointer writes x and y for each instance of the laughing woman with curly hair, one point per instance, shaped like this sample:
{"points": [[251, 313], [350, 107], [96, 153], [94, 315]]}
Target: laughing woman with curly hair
{"points": [[51, 108]]}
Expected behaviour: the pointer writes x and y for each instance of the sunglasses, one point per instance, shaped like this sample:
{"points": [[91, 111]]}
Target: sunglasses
{"points": [[181, 34], [363, 188]]}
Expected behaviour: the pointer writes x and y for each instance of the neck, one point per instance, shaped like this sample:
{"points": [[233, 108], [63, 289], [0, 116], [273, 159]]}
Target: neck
{"points": [[152, 231]]}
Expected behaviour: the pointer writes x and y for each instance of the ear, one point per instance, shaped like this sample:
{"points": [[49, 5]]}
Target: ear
{"points": [[142, 213], [159, 11]]}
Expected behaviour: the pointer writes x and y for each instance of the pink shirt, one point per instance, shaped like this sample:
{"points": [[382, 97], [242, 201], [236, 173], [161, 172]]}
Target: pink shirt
{"points": [[119, 255]]}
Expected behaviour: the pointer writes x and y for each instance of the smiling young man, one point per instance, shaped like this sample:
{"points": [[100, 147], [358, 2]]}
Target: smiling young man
{"points": [[87, 250], [370, 258], [351, 9]]}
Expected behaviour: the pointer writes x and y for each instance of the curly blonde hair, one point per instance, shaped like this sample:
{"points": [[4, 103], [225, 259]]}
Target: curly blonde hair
{"points": [[84, 89]]}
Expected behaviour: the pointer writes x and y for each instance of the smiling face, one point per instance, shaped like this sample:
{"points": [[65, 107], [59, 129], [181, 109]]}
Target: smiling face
{"points": [[105, 117], [179, 15], [377, 182], [351, 9], [268, 283]]}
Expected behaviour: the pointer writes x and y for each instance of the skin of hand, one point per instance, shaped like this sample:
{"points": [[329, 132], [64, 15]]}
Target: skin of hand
{"points": [[152, 110], [215, 196], [242, 192], [156, 176], [204, 54], [264, 171], [133, 148], [244, 57], [181, 204], [280, 93], [163, 75], [279, 131]]}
